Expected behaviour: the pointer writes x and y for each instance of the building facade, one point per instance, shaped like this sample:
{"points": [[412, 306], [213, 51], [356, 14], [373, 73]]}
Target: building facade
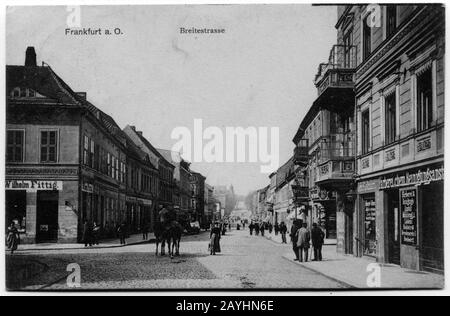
{"points": [[399, 88], [166, 184], [371, 145], [65, 159], [198, 199]]}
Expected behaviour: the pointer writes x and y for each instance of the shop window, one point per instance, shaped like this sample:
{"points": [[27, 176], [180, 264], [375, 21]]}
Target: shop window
{"points": [[424, 100], [49, 141], [370, 234], [391, 19], [14, 146], [365, 132], [390, 118]]}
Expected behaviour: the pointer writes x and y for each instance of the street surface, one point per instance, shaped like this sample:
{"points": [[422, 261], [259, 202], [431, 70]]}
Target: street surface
{"points": [[246, 262]]}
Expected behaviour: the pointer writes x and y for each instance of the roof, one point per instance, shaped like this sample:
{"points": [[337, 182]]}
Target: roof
{"points": [[152, 148], [285, 171], [47, 83], [137, 153]]}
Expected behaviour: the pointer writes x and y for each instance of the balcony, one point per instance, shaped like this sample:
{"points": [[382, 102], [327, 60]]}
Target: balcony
{"points": [[334, 79], [301, 153], [336, 158]]}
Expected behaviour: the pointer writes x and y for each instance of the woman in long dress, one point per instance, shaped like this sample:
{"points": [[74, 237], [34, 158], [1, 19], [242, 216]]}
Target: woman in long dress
{"points": [[215, 240], [13, 238]]}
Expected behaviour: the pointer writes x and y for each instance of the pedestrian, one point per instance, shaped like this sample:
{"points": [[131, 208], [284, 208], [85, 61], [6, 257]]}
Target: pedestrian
{"points": [[13, 237], [145, 230], [257, 228], [277, 229], [224, 228], [270, 228], [303, 242], [96, 233], [251, 227], [294, 229], [283, 231], [87, 234], [214, 245], [263, 229], [317, 237], [122, 232]]}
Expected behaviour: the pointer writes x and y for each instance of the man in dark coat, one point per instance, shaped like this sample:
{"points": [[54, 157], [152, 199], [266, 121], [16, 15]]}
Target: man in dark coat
{"points": [[295, 227], [257, 228], [317, 237], [283, 232], [277, 229], [122, 232], [87, 234]]}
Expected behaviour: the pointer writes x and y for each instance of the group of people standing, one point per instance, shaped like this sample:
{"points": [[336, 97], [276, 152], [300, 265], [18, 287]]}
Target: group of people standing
{"points": [[91, 234], [302, 237], [259, 228]]}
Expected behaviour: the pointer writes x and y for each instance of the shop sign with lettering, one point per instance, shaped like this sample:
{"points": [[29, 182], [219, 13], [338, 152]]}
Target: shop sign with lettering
{"points": [[413, 179], [408, 211], [34, 185]]}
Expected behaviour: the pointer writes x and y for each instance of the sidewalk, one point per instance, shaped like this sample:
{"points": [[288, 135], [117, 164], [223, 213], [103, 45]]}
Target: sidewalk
{"points": [[355, 272], [106, 243]]}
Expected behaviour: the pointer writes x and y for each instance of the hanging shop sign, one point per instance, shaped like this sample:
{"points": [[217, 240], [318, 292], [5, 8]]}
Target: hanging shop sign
{"points": [[408, 211], [34, 185], [413, 179], [300, 192]]}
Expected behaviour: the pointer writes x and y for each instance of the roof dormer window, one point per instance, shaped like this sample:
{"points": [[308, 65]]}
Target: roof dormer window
{"points": [[21, 92]]}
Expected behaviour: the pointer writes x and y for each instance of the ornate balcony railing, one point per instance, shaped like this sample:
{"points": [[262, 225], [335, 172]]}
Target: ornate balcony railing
{"points": [[339, 70]]}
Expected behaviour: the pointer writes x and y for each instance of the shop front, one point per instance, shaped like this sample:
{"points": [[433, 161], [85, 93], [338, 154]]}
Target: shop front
{"points": [[323, 210], [44, 211], [401, 218]]}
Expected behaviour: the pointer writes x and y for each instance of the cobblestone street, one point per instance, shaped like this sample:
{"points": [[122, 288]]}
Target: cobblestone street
{"points": [[246, 262]]}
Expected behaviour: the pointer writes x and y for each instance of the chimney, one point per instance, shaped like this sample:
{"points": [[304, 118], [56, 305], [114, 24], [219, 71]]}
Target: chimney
{"points": [[140, 133], [30, 59]]}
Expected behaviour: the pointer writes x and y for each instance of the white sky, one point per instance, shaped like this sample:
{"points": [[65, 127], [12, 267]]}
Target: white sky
{"points": [[260, 73]]}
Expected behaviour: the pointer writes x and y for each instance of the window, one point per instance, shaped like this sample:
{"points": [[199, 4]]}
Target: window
{"points": [[367, 38], [348, 42], [390, 118], [91, 155], [86, 151], [365, 137], [391, 19], [14, 146], [424, 100], [117, 170], [48, 146], [108, 164]]}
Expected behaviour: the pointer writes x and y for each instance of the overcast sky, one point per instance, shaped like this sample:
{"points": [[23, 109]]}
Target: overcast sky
{"points": [[259, 73]]}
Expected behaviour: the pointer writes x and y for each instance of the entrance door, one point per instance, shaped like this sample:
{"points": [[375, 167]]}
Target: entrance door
{"points": [[432, 244], [394, 227], [47, 216]]}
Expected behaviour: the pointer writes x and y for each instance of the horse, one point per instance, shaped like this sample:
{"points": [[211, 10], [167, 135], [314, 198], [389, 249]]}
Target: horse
{"points": [[175, 232], [162, 236]]}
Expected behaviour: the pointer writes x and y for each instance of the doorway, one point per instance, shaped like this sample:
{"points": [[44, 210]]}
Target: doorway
{"points": [[16, 207], [393, 201], [47, 217], [432, 218]]}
